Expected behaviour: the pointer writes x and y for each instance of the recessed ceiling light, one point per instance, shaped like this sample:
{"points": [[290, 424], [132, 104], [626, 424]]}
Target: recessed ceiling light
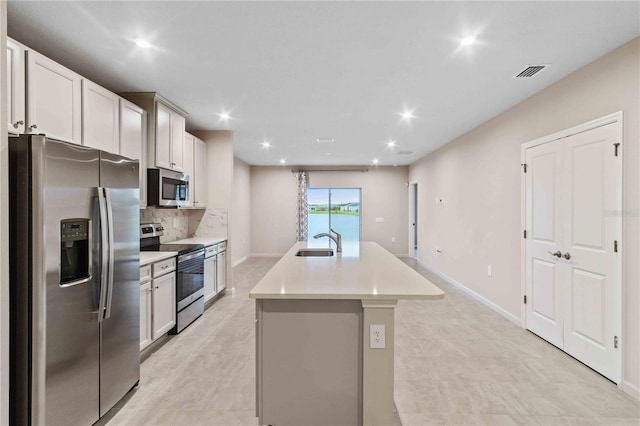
{"points": [[224, 116], [391, 144], [266, 144], [407, 115], [143, 44], [283, 161], [467, 41], [375, 161], [325, 140]]}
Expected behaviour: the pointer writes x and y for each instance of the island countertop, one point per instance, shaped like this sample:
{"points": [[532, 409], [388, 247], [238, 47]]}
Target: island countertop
{"points": [[364, 270]]}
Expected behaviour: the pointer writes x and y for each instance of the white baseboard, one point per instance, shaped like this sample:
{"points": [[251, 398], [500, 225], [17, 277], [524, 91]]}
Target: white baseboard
{"points": [[508, 315], [239, 261], [631, 390]]}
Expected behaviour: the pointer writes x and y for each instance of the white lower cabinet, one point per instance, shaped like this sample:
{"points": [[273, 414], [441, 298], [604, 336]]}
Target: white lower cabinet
{"points": [[221, 271], [164, 304], [157, 300], [145, 315], [209, 277]]}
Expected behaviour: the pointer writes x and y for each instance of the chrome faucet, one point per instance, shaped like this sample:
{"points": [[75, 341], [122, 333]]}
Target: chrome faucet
{"points": [[337, 239]]}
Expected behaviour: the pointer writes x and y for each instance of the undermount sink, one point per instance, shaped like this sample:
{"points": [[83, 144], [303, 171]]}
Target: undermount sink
{"points": [[316, 252]]}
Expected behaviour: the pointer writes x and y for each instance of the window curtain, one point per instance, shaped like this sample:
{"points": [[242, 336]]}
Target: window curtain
{"points": [[302, 223]]}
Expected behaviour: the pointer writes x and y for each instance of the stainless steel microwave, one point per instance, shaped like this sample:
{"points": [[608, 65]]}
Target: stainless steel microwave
{"points": [[166, 188]]}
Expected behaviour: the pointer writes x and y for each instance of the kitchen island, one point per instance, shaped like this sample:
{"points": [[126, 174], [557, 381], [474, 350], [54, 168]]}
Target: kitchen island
{"points": [[317, 363]]}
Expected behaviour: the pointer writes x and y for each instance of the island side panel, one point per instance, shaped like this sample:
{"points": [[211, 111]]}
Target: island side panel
{"points": [[309, 362], [377, 365]]}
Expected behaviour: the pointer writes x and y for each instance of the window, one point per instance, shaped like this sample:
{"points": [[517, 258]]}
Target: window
{"points": [[337, 208]]}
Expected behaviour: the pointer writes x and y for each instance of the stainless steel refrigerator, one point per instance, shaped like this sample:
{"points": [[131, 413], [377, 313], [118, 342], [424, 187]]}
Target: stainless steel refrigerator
{"points": [[74, 280]]}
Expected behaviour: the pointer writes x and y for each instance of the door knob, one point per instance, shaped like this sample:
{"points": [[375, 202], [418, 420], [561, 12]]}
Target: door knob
{"points": [[557, 254], [567, 255]]}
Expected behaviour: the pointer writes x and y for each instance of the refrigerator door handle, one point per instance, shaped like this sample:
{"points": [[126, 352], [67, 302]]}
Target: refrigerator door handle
{"points": [[107, 192], [104, 243]]}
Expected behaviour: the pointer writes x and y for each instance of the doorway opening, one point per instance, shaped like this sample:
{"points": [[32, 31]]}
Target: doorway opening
{"points": [[334, 208], [413, 219]]}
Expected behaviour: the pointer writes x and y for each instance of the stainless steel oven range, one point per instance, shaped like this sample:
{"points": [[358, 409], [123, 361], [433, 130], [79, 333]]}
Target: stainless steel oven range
{"points": [[190, 274]]}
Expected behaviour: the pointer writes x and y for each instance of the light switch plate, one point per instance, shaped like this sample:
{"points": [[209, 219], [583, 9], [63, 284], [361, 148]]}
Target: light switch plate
{"points": [[379, 219]]}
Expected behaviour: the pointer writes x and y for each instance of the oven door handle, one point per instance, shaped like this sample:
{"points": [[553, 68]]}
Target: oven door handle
{"points": [[190, 256]]}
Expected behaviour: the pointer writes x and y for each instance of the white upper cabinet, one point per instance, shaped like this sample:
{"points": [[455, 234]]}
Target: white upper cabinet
{"points": [[177, 141], [53, 99], [163, 136], [165, 130], [189, 141], [15, 87], [100, 118], [199, 191], [133, 140]]}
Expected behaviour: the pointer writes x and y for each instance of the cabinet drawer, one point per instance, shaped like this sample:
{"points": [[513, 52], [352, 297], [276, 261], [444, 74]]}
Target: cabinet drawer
{"points": [[145, 273], [222, 246], [163, 267]]}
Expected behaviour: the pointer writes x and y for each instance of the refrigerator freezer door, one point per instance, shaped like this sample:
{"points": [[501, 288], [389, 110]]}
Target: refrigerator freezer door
{"points": [[120, 351], [69, 323]]}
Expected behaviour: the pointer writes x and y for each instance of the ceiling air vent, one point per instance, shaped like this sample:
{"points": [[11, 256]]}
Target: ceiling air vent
{"points": [[404, 152], [530, 71]]}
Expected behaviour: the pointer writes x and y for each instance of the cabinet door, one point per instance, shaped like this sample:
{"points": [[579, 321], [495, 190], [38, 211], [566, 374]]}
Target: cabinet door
{"points": [[145, 315], [177, 141], [209, 278], [54, 99], [15, 87], [100, 118], [200, 174], [163, 136], [133, 139], [164, 304], [188, 166], [221, 272]]}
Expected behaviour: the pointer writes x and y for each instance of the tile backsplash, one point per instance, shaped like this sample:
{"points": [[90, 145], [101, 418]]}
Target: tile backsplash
{"points": [[211, 223], [183, 223], [175, 222]]}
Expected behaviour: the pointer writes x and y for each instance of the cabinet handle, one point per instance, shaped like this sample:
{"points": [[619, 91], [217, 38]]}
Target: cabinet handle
{"points": [[33, 126], [18, 123], [156, 287], [165, 267], [567, 255]]}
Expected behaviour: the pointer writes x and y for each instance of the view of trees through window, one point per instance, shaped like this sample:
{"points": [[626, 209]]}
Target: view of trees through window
{"points": [[337, 208]]}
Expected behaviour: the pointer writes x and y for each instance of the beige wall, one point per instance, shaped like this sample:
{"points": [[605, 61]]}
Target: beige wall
{"points": [[478, 175], [273, 210], [4, 228], [384, 194], [241, 211], [273, 205]]}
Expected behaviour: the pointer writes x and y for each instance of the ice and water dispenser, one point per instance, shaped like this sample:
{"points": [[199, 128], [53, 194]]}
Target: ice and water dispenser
{"points": [[75, 258]]}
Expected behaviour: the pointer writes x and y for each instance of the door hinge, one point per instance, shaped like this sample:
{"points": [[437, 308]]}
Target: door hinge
{"points": [[615, 342], [524, 234], [524, 167], [615, 246], [525, 299], [616, 146]]}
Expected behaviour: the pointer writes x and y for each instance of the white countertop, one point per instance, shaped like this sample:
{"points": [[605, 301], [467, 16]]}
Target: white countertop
{"points": [[207, 241], [364, 270], [147, 257]]}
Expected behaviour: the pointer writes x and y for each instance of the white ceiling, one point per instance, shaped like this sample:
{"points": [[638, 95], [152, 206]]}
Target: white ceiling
{"points": [[292, 72]]}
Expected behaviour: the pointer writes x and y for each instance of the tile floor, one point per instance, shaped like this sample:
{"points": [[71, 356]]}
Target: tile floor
{"points": [[457, 362]]}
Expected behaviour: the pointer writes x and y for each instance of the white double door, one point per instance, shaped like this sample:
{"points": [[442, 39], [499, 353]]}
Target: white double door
{"points": [[573, 282]]}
